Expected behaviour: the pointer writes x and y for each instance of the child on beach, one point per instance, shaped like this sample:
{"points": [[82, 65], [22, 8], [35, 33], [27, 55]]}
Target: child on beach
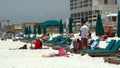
{"points": [[37, 43]]}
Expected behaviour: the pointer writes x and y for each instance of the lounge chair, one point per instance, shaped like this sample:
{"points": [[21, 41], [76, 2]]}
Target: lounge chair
{"points": [[110, 50], [112, 59], [54, 40], [57, 41]]}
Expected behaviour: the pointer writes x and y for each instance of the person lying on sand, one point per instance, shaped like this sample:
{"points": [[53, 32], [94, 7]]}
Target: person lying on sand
{"points": [[61, 52]]}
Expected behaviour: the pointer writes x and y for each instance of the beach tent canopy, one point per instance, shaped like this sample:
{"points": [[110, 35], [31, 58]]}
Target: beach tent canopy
{"points": [[51, 23]]}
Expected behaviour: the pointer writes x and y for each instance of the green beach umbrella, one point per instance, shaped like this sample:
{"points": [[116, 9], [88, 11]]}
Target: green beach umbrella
{"points": [[35, 29], [70, 25], [26, 30], [30, 30], [60, 27], [44, 30], [39, 29], [118, 25], [99, 26]]}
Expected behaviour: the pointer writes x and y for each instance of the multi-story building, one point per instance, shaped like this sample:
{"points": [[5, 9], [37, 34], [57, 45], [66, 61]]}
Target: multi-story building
{"points": [[89, 9], [4, 23]]}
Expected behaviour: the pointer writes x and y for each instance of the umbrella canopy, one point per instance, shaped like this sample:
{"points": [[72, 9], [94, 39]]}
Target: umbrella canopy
{"points": [[60, 27], [50, 23], [70, 25], [118, 25], [99, 26], [39, 29], [34, 29]]}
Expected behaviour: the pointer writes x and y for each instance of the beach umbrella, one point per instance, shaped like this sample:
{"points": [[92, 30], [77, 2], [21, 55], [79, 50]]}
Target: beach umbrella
{"points": [[99, 26], [44, 30], [82, 19], [39, 29], [34, 29], [26, 30], [70, 25], [60, 27], [29, 30], [118, 25]]}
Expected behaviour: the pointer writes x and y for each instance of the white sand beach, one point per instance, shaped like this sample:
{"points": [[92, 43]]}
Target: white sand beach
{"points": [[32, 58]]}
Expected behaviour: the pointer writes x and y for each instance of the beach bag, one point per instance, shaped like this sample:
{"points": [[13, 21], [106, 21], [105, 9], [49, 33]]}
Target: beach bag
{"points": [[62, 51]]}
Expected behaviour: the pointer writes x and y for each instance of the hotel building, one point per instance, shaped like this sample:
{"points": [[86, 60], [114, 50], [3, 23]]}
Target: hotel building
{"points": [[89, 9]]}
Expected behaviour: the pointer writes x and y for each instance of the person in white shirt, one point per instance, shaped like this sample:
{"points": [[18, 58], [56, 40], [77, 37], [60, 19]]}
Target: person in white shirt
{"points": [[84, 30]]}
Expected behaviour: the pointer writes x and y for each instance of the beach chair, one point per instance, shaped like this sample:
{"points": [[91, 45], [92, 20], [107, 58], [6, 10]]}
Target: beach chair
{"points": [[65, 44], [54, 40], [113, 52], [118, 55], [110, 50], [112, 59], [57, 41]]}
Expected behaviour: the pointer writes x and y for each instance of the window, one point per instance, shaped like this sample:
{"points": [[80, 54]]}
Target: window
{"points": [[90, 21], [97, 11], [78, 14], [105, 1], [90, 12], [82, 14], [85, 5], [86, 13], [72, 15], [114, 18], [86, 1], [86, 18], [94, 20]]}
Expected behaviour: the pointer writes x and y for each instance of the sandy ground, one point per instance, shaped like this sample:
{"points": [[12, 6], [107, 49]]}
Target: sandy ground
{"points": [[32, 58]]}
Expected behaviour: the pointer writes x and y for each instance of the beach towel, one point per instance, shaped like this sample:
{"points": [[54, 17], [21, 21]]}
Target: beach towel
{"points": [[71, 45], [94, 44]]}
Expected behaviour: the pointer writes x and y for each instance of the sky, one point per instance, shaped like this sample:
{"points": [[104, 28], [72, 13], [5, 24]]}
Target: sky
{"points": [[18, 11]]}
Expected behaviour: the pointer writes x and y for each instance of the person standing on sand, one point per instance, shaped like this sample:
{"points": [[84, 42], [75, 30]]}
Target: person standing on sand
{"points": [[84, 30]]}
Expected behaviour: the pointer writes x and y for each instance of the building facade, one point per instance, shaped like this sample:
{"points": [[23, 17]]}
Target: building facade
{"points": [[89, 9], [4, 23]]}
